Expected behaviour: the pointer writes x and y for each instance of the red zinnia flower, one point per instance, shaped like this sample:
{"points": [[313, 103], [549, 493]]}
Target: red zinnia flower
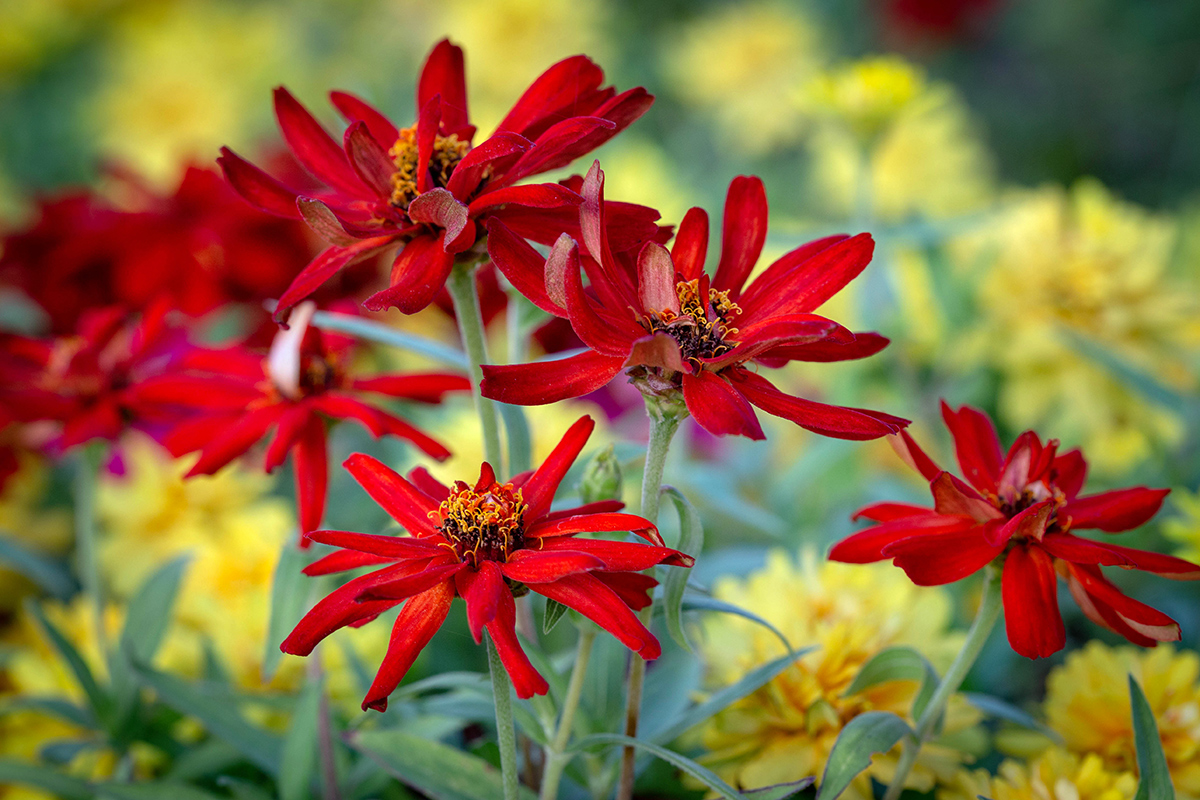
{"points": [[482, 543], [427, 186], [677, 330], [304, 380], [1021, 507]]}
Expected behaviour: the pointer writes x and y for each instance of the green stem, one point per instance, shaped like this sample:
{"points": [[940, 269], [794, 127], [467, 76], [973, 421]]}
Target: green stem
{"points": [[86, 536], [663, 425], [556, 759], [461, 285], [977, 636], [506, 734]]}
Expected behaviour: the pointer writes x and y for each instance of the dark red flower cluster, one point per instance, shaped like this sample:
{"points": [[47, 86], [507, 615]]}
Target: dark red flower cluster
{"points": [[429, 186], [484, 543], [1020, 509]]}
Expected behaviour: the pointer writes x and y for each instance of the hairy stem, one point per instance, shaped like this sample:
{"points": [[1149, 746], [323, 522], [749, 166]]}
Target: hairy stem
{"points": [[461, 285], [977, 636], [506, 734], [663, 425], [556, 759], [86, 535]]}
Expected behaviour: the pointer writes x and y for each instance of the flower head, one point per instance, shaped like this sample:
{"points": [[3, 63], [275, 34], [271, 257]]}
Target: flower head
{"points": [[237, 396], [1020, 509], [484, 542], [429, 186], [1054, 775], [680, 332]]}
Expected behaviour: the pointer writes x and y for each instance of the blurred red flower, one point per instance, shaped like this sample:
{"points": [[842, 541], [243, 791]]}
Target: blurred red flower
{"points": [[237, 396], [482, 543], [675, 329], [1020, 508], [428, 186]]}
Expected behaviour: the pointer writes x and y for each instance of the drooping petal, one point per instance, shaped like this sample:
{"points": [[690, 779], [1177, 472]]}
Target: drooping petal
{"points": [[743, 232], [658, 350], [380, 423], [443, 74], [257, 187], [235, 440], [310, 463], [1030, 594], [422, 388], [834, 421], [719, 407], [292, 423], [977, 445], [404, 502], [418, 274], [596, 601], [911, 453], [536, 566], [634, 588], [569, 525], [503, 629], [1077, 550], [549, 381], [867, 545], [405, 586], [340, 608], [1116, 511], [691, 244], [952, 496], [416, 624], [1160, 564], [402, 547], [939, 558], [1112, 605], [620, 556], [313, 147], [539, 490], [524, 267], [482, 590], [331, 261]]}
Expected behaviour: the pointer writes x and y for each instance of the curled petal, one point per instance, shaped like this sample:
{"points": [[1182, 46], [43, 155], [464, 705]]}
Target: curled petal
{"points": [[524, 267], [418, 274], [325, 266], [1118, 612]]}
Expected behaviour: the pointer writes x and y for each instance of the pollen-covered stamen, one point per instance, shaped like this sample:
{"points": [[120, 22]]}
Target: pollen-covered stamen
{"points": [[1031, 495], [702, 332], [447, 152], [482, 524]]}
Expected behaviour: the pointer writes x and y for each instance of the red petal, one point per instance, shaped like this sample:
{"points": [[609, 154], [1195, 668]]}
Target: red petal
{"points": [[803, 280], [1166, 566], [532, 195], [325, 266], [257, 187], [1030, 593], [887, 512], [431, 486], [482, 590], [539, 490], [596, 601], [379, 422], [443, 75], [1120, 612], [691, 244], [1116, 511], [438, 207], [763, 338], [369, 160], [867, 545], [743, 233], [534, 566], [339, 609], [1082, 551], [313, 147], [938, 558], [952, 496], [392, 547], [1070, 473], [827, 420], [1028, 525], [235, 440], [403, 587], [549, 381], [429, 120], [310, 463], [342, 561], [554, 95], [659, 350], [634, 588], [418, 274], [503, 630], [719, 407], [404, 502], [912, 454], [355, 109], [591, 523], [524, 267], [656, 279], [863, 345], [291, 424], [621, 556], [492, 154], [977, 445], [421, 388], [601, 333], [416, 624]]}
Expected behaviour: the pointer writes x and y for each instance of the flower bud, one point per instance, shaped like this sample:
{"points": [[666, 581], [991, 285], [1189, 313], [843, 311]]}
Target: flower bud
{"points": [[601, 477]]}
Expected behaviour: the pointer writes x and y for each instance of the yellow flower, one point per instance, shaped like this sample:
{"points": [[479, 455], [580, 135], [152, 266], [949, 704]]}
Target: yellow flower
{"points": [[1055, 775], [1056, 267], [866, 95], [740, 64], [24, 517], [1087, 702], [784, 731], [1185, 528]]}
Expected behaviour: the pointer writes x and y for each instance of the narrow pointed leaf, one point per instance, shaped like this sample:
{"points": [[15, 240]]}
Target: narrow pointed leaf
{"points": [[149, 613], [20, 773], [289, 593], [1154, 782], [554, 612], [697, 602], [101, 704], [700, 773], [691, 541], [865, 735], [298, 762], [51, 576], [898, 664]]}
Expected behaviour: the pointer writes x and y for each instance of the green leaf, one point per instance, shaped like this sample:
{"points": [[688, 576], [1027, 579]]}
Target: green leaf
{"points": [[432, 768], [780, 791], [218, 713], [697, 602], [243, 790], [554, 612], [19, 773], [289, 593], [691, 541], [898, 663], [153, 791], [383, 334], [149, 612], [865, 735], [700, 773], [520, 444], [50, 575], [722, 699], [995, 707], [298, 763], [1155, 781], [99, 701], [52, 706]]}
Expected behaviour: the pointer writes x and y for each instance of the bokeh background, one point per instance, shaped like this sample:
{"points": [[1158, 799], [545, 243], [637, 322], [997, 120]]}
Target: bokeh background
{"points": [[1030, 170]]}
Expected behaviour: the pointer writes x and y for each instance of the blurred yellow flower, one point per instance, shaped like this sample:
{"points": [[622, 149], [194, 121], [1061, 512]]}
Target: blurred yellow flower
{"points": [[1055, 775], [866, 95], [34, 527], [742, 63], [784, 731], [1057, 267], [1087, 702], [1185, 528]]}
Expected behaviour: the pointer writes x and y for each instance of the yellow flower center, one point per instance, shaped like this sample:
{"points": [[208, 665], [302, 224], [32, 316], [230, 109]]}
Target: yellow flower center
{"points": [[699, 335], [447, 152], [486, 525]]}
